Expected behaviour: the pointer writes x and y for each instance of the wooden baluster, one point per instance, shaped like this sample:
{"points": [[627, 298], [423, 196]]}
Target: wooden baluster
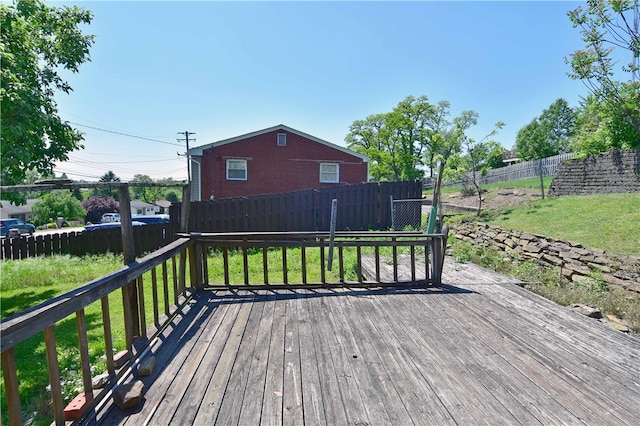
{"points": [[108, 338], [359, 263], [427, 244], [154, 290], [285, 273], [395, 260], [205, 265], [182, 280], [265, 265], [54, 375], [175, 280], [341, 261], [128, 314], [303, 260], [83, 347], [10, 373], [142, 312], [165, 287], [413, 263], [245, 261], [225, 261], [377, 256], [323, 274]]}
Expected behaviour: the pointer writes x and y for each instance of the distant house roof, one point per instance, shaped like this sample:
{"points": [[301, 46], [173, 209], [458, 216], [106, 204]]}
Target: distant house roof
{"points": [[9, 209], [163, 203], [138, 204], [198, 150]]}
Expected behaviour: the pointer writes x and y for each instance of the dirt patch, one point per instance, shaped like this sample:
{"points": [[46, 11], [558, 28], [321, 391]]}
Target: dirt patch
{"points": [[493, 199]]}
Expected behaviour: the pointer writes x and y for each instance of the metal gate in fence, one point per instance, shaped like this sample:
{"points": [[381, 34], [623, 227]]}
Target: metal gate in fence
{"points": [[407, 215]]}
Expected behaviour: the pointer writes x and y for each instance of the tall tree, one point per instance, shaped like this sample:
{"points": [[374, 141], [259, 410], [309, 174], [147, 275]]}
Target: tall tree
{"points": [[549, 134], [139, 192], [395, 141], [148, 194], [107, 191], [37, 42], [415, 134], [608, 26]]}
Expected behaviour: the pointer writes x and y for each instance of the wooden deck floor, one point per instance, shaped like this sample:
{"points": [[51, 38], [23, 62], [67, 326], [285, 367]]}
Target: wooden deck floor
{"points": [[478, 350]]}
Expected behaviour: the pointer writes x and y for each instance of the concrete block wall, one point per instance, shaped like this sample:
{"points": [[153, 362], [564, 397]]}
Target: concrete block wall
{"points": [[616, 171], [574, 261]]}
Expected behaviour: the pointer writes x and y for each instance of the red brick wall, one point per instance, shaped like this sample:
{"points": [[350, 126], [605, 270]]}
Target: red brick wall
{"points": [[272, 168]]}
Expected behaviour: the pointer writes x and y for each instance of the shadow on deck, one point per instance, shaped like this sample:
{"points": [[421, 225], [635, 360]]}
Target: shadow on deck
{"points": [[478, 349]]}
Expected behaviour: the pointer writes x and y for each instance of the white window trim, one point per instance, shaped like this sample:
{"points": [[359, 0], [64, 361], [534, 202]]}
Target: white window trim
{"points": [[337, 165], [284, 139], [238, 160]]}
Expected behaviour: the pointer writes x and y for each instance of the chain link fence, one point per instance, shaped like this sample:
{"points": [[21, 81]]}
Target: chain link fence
{"points": [[408, 215]]}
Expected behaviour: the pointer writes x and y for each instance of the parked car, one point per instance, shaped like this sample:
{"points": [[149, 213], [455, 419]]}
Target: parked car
{"points": [[25, 228], [110, 225], [110, 217], [152, 218]]}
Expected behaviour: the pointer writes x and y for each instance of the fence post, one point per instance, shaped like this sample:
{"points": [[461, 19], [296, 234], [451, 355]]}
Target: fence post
{"points": [[393, 218]]}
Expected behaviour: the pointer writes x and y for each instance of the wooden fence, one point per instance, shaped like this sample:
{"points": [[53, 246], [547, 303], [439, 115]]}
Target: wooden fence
{"points": [[360, 207], [147, 238]]}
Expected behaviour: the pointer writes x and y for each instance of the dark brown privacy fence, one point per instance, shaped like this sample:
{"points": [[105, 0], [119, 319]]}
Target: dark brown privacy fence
{"points": [[360, 207], [146, 238]]}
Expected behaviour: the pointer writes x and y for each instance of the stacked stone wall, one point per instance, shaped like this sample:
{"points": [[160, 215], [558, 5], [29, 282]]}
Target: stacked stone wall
{"points": [[575, 262], [615, 171]]}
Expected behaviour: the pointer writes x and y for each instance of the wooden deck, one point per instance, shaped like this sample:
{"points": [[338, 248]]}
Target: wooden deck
{"points": [[478, 350]]}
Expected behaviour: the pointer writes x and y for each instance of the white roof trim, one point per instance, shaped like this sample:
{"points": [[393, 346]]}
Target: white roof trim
{"points": [[199, 149]]}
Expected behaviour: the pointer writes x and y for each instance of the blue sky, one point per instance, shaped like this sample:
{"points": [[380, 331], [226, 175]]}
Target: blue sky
{"points": [[224, 69]]}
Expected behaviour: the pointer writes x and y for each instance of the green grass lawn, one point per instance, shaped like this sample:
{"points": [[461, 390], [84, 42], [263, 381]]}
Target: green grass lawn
{"points": [[609, 222]]}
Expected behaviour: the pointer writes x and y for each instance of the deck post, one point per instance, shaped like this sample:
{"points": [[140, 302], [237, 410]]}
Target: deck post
{"points": [[129, 291], [185, 208], [195, 265]]}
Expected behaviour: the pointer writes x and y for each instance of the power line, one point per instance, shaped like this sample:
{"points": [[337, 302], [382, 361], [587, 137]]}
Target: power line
{"points": [[124, 134]]}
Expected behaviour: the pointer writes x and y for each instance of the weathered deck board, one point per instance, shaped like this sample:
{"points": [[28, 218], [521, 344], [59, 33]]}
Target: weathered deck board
{"points": [[477, 350]]}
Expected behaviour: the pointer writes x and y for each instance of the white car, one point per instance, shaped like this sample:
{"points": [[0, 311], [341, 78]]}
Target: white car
{"points": [[110, 217]]}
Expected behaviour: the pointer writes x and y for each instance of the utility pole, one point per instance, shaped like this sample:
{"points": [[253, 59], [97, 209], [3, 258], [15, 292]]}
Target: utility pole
{"points": [[186, 135]]}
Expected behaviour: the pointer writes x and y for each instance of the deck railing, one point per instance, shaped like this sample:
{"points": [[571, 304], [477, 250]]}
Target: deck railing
{"points": [[160, 283], [164, 271], [302, 249]]}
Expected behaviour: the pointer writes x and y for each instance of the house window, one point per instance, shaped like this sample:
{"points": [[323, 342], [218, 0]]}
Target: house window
{"points": [[329, 173], [282, 139], [236, 169]]}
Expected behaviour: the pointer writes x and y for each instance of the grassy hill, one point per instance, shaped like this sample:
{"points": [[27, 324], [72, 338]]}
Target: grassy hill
{"points": [[609, 222]]}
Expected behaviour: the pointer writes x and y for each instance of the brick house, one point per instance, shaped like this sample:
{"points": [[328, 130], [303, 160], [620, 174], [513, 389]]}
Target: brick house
{"points": [[276, 159]]}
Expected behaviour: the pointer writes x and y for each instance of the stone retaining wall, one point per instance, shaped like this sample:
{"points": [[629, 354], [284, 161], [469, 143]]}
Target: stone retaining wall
{"points": [[615, 171], [575, 262]]}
